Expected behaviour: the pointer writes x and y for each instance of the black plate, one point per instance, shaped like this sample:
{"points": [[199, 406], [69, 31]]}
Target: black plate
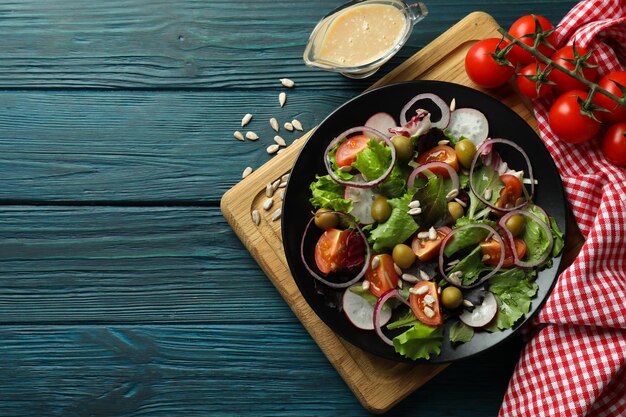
{"points": [[503, 123]]}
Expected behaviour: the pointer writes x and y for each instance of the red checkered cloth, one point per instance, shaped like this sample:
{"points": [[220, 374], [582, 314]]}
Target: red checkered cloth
{"points": [[575, 365]]}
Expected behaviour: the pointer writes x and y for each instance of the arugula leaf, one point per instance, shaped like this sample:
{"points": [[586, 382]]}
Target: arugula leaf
{"points": [[432, 198], [513, 291], [484, 178], [467, 237], [346, 176], [398, 227], [461, 332], [471, 266], [420, 341], [327, 193], [407, 320]]}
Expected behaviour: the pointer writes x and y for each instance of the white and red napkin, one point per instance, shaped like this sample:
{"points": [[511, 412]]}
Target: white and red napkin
{"points": [[575, 365]]}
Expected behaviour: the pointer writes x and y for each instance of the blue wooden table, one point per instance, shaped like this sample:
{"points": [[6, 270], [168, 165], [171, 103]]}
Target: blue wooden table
{"points": [[123, 292]]}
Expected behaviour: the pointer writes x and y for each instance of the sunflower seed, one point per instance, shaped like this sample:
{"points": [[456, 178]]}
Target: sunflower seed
{"points": [[269, 190], [429, 300], [453, 105], [443, 142], [487, 194], [280, 150], [399, 284], [461, 202], [375, 262], [287, 82], [275, 185], [238, 135], [454, 278], [432, 234], [409, 278], [454, 262], [422, 290], [272, 149], [276, 215], [246, 172], [414, 211], [397, 269], [246, 119], [267, 204], [424, 276], [346, 168], [288, 126], [468, 303], [296, 123], [365, 285], [282, 99], [486, 257], [274, 123], [528, 181], [282, 184], [252, 136], [439, 290], [282, 195], [429, 312], [256, 217], [413, 291], [285, 177], [452, 194], [280, 141], [422, 235], [414, 204]]}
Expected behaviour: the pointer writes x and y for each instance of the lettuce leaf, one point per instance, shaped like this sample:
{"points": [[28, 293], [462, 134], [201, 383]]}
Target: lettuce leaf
{"points": [[398, 227], [432, 198], [471, 267], [461, 332], [467, 237], [373, 161], [484, 178], [407, 320], [328, 194], [419, 342], [513, 291], [559, 243], [395, 185]]}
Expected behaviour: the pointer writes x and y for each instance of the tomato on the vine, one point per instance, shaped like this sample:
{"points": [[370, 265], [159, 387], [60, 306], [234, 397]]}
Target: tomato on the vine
{"points": [[566, 120], [614, 144], [525, 26], [527, 86], [565, 82], [617, 113], [483, 69]]}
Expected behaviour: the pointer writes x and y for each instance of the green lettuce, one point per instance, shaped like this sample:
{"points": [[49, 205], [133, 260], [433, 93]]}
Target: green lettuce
{"points": [[407, 320], [395, 184], [399, 226], [484, 178], [513, 291], [433, 201], [559, 243], [471, 267], [373, 161], [536, 239], [461, 332], [466, 237], [328, 194], [419, 342]]}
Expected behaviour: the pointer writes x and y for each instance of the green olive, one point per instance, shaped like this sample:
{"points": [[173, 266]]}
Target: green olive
{"points": [[324, 219], [515, 224], [451, 297], [456, 210], [465, 151], [381, 210], [403, 255], [404, 148]]}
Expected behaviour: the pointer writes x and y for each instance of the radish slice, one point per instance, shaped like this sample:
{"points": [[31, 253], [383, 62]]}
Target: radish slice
{"points": [[362, 199], [469, 123], [541, 223], [453, 174], [381, 122], [378, 312], [361, 313], [481, 314], [445, 110]]}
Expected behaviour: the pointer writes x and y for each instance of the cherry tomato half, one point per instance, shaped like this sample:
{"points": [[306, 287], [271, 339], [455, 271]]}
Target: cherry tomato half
{"points": [[424, 302], [347, 151], [511, 192], [617, 113], [614, 144], [524, 26], [491, 247], [529, 87], [482, 69], [382, 278], [568, 123], [426, 249], [565, 82], [441, 153], [330, 250]]}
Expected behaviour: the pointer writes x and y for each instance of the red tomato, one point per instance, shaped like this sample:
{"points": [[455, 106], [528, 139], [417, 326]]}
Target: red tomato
{"points": [[565, 82], [527, 86], [524, 26], [511, 192], [617, 113], [384, 277], [483, 69], [426, 249], [330, 250], [491, 247], [568, 123], [347, 151], [614, 144], [441, 153], [429, 299]]}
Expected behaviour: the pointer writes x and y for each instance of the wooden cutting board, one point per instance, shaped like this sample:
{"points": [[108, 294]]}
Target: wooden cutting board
{"points": [[377, 383]]}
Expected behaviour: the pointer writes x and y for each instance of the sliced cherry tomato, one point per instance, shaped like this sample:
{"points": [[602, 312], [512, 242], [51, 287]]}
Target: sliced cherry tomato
{"points": [[527, 86], [491, 247], [441, 153], [565, 82], [330, 250], [382, 278], [511, 192], [426, 249], [568, 123], [347, 151], [617, 113], [483, 69], [424, 302], [525, 26], [614, 144]]}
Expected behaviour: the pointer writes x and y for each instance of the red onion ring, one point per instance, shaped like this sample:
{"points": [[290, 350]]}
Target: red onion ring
{"points": [[509, 235], [490, 142], [445, 110], [393, 293], [453, 174], [495, 235], [368, 184], [323, 280]]}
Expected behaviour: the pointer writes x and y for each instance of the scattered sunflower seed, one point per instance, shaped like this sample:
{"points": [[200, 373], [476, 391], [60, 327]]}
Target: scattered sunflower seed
{"points": [[285, 177], [468, 303], [422, 235], [287, 82], [409, 278], [452, 194], [246, 172], [256, 217], [454, 262], [282, 99], [246, 119], [487, 194], [252, 136], [424, 276], [461, 202], [288, 126], [454, 278], [453, 105], [274, 123], [400, 283], [432, 234], [238, 135], [443, 142], [267, 204], [397, 269], [282, 195], [280, 150], [528, 181], [269, 190], [414, 211], [429, 312], [275, 185], [485, 257], [280, 141], [272, 149], [276, 215], [375, 262], [429, 300], [421, 290], [296, 123], [346, 168], [365, 285], [414, 204], [439, 290], [282, 184]]}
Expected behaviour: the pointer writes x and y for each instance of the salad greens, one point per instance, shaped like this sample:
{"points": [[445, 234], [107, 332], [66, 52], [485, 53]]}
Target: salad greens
{"points": [[514, 291], [328, 194], [419, 342], [399, 227]]}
